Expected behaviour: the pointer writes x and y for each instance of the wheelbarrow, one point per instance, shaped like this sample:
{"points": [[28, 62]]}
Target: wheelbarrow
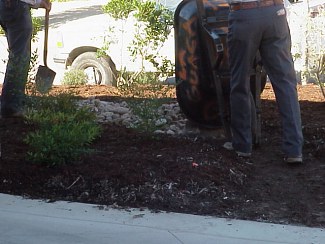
{"points": [[201, 66]]}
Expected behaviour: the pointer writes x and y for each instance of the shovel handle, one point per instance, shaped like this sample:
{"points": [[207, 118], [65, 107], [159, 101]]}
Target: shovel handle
{"points": [[46, 37]]}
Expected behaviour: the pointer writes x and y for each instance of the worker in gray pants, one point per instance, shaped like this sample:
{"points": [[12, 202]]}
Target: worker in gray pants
{"points": [[16, 21], [262, 26]]}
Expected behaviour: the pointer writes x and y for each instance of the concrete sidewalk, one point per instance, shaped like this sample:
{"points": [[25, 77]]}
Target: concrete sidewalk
{"points": [[26, 221]]}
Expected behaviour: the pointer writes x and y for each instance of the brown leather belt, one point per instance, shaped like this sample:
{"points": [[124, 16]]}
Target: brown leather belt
{"points": [[254, 4]]}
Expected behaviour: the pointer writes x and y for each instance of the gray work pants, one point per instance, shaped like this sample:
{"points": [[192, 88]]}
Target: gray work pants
{"points": [[15, 19], [264, 29]]}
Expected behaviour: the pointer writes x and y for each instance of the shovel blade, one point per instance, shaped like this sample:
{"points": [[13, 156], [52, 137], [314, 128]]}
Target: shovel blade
{"points": [[44, 79]]}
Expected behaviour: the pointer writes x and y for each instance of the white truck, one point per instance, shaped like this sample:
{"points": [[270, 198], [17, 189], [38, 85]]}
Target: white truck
{"points": [[78, 29]]}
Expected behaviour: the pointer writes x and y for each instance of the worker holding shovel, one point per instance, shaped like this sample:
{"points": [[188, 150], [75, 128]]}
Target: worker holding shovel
{"points": [[16, 21]]}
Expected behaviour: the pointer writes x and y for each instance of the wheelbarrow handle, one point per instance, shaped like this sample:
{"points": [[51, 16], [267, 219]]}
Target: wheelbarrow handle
{"points": [[46, 36]]}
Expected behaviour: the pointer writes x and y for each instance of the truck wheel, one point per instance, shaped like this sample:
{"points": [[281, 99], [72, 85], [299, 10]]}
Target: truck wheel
{"points": [[100, 71]]}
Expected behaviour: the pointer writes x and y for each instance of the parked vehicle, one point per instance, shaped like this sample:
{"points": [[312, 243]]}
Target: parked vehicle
{"points": [[77, 44]]}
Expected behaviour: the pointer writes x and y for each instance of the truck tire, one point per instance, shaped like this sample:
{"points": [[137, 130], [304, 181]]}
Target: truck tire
{"points": [[100, 71]]}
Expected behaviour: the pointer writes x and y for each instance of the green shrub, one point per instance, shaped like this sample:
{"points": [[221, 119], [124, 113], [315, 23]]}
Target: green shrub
{"points": [[145, 104], [131, 78], [64, 131], [147, 112], [61, 143], [153, 25], [75, 77], [65, 102]]}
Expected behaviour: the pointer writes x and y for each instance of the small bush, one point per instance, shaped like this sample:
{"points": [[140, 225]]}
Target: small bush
{"points": [[65, 102], [61, 143], [64, 130], [147, 112], [153, 24], [145, 104], [75, 77]]}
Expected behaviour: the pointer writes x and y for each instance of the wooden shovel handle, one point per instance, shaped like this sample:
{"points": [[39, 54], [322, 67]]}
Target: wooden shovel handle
{"points": [[46, 30]]}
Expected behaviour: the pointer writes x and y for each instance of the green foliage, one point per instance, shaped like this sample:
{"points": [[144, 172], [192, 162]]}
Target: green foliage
{"points": [[147, 112], [74, 77], [138, 90], [127, 79], [61, 1], [37, 26], [152, 26], [320, 73], [64, 131], [33, 66], [120, 9], [146, 109], [152, 29], [65, 102], [315, 57], [61, 143]]}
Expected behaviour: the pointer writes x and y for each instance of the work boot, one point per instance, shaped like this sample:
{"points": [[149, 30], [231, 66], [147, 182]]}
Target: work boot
{"points": [[229, 147], [293, 160]]}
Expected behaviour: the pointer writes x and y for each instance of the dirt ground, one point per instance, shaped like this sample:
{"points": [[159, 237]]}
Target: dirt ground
{"points": [[182, 174]]}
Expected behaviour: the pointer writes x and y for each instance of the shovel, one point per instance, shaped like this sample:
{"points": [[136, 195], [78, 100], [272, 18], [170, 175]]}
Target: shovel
{"points": [[45, 76]]}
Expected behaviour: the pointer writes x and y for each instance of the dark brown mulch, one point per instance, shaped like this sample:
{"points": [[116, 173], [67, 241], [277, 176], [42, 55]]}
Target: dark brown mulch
{"points": [[185, 174]]}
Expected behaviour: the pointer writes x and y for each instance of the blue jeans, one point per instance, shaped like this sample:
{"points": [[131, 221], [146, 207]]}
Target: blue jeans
{"points": [[264, 29], [16, 21]]}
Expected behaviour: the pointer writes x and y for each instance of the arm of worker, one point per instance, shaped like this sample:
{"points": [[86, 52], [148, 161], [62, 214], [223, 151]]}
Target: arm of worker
{"points": [[39, 3]]}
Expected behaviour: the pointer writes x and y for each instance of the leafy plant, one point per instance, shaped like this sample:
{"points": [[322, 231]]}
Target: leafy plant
{"points": [[152, 26], [61, 143], [64, 101], [310, 47], [33, 66], [144, 105], [128, 79], [315, 57], [120, 9], [74, 77], [147, 112], [64, 131], [320, 73], [37, 26]]}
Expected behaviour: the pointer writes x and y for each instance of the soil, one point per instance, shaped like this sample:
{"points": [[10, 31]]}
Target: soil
{"points": [[186, 174]]}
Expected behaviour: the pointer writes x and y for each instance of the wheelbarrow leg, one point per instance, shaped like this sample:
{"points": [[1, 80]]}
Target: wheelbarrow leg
{"points": [[221, 106], [214, 36], [258, 80]]}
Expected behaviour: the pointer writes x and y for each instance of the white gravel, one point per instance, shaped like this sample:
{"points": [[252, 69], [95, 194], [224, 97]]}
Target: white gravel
{"points": [[169, 118]]}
